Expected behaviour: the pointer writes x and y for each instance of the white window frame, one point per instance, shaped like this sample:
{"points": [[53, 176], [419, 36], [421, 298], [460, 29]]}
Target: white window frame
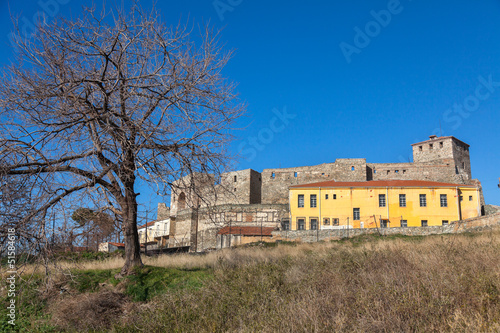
{"points": [[423, 200], [382, 202], [402, 200], [356, 214], [443, 200], [300, 200], [313, 201]]}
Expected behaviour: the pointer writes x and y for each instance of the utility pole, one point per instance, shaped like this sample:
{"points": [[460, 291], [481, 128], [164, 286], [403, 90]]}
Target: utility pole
{"points": [[348, 227], [230, 220], [146, 243], [317, 232], [260, 229]]}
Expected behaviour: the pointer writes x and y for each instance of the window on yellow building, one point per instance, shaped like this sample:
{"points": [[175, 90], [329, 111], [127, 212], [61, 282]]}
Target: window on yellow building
{"points": [[404, 223], [383, 223], [334, 197], [326, 196], [301, 224], [424, 223], [381, 200], [314, 224], [301, 200], [444, 200], [445, 222], [470, 197], [313, 200], [335, 221], [402, 200], [356, 216], [423, 200], [326, 221]]}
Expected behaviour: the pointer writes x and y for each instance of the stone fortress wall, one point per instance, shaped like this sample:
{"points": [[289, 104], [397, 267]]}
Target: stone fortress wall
{"points": [[249, 198]]}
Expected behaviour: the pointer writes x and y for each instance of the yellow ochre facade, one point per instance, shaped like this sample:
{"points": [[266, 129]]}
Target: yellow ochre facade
{"points": [[372, 204]]}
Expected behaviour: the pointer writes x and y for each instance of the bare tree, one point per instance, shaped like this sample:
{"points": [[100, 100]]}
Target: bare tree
{"points": [[95, 226], [97, 104]]}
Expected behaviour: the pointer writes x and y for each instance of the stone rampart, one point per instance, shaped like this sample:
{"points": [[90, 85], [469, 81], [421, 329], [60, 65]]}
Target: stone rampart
{"points": [[308, 236]]}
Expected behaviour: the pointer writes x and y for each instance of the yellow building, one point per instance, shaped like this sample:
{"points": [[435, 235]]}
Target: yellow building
{"points": [[372, 204]]}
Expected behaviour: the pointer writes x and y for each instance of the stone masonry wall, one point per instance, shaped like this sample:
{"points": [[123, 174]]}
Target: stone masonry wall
{"points": [[200, 227], [163, 212], [308, 236], [435, 149], [275, 182], [236, 187], [416, 171], [445, 150], [461, 157], [255, 187]]}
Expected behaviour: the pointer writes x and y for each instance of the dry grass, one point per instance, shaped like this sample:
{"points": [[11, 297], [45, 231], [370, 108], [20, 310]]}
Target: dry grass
{"points": [[186, 260], [448, 283], [434, 284]]}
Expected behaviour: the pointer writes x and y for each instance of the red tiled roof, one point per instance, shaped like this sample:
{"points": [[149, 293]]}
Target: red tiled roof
{"points": [[148, 224], [382, 183], [117, 244], [246, 231]]}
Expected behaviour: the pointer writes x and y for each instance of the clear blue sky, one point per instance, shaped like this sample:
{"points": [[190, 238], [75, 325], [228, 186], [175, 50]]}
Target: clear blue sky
{"points": [[369, 98]]}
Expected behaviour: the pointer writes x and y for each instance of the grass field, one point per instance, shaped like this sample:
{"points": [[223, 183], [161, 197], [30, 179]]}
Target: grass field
{"points": [[445, 283]]}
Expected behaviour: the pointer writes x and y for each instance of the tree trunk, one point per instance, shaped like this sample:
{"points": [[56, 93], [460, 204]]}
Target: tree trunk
{"points": [[131, 237]]}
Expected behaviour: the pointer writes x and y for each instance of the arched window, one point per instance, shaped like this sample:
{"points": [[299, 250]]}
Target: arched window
{"points": [[181, 201]]}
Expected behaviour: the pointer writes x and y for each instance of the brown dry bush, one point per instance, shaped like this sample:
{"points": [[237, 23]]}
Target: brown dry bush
{"points": [[89, 311]]}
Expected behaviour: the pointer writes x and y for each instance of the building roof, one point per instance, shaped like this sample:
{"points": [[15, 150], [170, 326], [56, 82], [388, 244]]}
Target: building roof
{"points": [[382, 183], [147, 224], [440, 138], [117, 244], [246, 231]]}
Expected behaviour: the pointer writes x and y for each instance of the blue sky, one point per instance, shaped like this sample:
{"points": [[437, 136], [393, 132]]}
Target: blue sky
{"points": [[422, 68]]}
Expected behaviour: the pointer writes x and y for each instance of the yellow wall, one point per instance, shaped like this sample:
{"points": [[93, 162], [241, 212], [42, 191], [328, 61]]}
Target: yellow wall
{"points": [[367, 199]]}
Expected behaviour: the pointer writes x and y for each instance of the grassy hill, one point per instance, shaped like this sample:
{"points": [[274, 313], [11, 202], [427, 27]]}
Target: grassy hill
{"points": [[444, 283]]}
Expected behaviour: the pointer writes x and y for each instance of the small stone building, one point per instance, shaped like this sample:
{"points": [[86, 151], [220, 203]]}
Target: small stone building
{"points": [[111, 247], [233, 236]]}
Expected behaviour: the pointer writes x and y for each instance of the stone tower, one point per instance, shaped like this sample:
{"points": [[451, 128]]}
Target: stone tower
{"points": [[448, 151]]}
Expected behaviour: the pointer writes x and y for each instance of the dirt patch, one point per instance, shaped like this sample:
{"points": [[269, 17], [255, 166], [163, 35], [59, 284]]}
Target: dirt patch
{"points": [[94, 311]]}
